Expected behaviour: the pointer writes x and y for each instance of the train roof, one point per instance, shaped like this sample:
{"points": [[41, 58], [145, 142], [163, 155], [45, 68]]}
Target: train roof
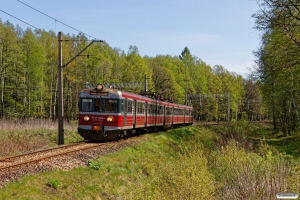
{"points": [[115, 93]]}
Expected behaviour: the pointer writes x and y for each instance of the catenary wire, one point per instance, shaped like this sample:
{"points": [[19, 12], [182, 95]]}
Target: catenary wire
{"points": [[19, 19], [55, 19]]}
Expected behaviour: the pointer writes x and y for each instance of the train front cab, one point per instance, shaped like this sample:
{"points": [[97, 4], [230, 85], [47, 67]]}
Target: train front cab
{"points": [[99, 116]]}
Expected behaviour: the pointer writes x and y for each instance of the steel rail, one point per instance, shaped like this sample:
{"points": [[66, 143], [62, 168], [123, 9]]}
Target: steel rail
{"points": [[15, 161]]}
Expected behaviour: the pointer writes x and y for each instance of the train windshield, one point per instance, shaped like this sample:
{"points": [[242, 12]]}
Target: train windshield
{"points": [[87, 105], [99, 105], [111, 105]]}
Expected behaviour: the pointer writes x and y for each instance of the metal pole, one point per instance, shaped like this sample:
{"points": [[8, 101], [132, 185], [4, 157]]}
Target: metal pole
{"points": [[60, 93], [146, 84], [60, 86]]}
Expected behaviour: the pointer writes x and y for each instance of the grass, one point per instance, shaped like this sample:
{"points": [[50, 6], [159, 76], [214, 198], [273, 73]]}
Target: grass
{"points": [[289, 145], [186, 163]]}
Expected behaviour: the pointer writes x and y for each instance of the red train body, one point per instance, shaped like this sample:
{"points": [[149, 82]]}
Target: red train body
{"points": [[108, 114]]}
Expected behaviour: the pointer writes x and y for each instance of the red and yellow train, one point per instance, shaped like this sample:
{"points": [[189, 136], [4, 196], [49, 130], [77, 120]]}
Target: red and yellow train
{"points": [[107, 114]]}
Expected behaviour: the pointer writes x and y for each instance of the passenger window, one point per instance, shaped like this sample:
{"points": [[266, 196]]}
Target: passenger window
{"points": [[122, 106], [129, 107]]}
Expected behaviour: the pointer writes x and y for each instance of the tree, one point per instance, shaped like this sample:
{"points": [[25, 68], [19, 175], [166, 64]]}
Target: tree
{"points": [[283, 15], [277, 69], [34, 77], [10, 69]]}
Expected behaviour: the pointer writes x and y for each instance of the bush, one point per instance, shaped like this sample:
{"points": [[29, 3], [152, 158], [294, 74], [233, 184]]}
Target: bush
{"points": [[96, 165], [54, 183], [243, 175]]}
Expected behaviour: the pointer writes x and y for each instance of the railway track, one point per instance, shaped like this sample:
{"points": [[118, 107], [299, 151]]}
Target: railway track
{"points": [[37, 156]]}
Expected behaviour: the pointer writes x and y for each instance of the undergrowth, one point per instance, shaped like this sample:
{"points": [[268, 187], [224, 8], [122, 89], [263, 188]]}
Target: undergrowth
{"points": [[20, 136]]}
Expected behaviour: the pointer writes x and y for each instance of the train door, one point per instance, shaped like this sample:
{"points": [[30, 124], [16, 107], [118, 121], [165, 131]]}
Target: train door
{"points": [[146, 113], [164, 115], [155, 114], [124, 108], [134, 106], [172, 115]]}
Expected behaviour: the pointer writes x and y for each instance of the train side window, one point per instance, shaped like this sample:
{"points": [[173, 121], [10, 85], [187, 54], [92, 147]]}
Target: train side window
{"points": [[122, 105], [142, 108], [169, 111], [138, 107], [86, 105], [129, 107]]}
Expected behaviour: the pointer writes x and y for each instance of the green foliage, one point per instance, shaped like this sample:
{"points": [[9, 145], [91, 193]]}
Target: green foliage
{"points": [[240, 127], [94, 164], [54, 183]]}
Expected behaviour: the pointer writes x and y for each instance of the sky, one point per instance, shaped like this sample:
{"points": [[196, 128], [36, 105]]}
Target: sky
{"points": [[218, 32]]}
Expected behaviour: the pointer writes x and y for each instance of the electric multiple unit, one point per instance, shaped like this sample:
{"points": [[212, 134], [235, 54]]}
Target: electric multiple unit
{"points": [[107, 114]]}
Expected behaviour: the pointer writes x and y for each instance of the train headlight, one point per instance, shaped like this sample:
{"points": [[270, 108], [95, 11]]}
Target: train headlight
{"points": [[86, 118], [99, 87], [110, 119]]}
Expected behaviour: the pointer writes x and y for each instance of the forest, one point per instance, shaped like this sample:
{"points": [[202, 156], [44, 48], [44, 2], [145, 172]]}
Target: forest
{"points": [[278, 61], [29, 71]]}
